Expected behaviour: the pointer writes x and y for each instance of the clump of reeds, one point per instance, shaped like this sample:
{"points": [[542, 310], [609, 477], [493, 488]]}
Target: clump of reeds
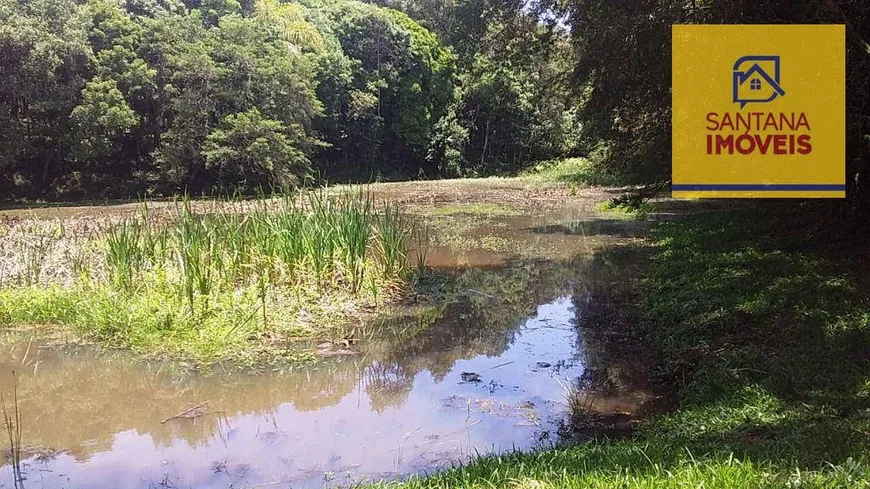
{"points": [[124, 252], [316, 240], [421, 248]]}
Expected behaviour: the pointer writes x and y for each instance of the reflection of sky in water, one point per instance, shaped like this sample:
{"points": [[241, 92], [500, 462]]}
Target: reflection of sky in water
{"points": [[262, 437]]}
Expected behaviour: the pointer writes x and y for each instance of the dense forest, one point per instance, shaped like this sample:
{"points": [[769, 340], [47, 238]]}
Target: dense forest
{"points": [[113, 98], [119, 98]]}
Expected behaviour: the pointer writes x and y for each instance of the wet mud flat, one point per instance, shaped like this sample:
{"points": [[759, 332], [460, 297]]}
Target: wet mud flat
{"points": [[495, 367]]}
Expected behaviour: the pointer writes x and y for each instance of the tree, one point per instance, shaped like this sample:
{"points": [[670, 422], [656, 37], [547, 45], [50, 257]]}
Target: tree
{"points": [[386, 82], [513, 103], [44, 61], [99, 122], [246, 64], [253, 152], [623, 71], [107, 98]]}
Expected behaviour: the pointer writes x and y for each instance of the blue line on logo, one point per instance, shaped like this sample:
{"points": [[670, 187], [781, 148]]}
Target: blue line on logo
{"points": [[761, 187]]}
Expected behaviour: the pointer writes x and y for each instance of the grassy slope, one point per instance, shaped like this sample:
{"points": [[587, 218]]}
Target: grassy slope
{"points": [[573, 171], [762, 327]]}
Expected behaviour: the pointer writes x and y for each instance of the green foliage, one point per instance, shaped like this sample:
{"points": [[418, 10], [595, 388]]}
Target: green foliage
{"points": [[623, 72], [247, 70], [288, 21], [100, 120], [254, 153], [515, 116], [101, 98], [217, 282], [574, 171], [45, 64], [215, 95], [628, 206], [161, 97], [513, 105], [385, 82]]}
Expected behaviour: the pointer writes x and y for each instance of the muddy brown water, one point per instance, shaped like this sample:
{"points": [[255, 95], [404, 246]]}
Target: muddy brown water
{"points": [[489, 374]]}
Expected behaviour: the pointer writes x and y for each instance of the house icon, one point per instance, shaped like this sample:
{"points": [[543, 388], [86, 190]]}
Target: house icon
{"points": [[756, 79]]}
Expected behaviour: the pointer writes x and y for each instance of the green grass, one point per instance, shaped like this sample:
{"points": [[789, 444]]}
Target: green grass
{"points": [[233, 280], [623, 211], [762, 333], [574, 171]]}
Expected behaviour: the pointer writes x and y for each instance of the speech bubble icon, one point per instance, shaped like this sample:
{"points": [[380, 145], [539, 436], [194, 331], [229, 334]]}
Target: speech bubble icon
{"points": [[756, 80]]}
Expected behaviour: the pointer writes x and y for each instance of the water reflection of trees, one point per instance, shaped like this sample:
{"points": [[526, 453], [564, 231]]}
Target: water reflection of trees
{"points": [[78, 402], [387, 385], [615, 375]]}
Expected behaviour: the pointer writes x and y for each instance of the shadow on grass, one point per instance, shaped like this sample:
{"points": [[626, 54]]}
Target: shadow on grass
{"points": [[764, 333]]}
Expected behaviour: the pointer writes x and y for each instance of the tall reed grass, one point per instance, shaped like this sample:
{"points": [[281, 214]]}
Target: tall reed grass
{"points": [[326, 241], [203, 279]]}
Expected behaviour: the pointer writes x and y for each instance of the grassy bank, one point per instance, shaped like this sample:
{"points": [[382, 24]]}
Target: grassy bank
{"points": [[573, 171], [758, 317], [215, 280]]}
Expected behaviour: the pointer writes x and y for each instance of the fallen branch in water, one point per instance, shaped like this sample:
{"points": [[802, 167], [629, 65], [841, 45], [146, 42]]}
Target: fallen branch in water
{"points": [[501, 365], [193, 412]]}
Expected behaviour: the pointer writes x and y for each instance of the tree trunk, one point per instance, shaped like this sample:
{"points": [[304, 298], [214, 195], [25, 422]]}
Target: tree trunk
{"points": [[485, 144]]}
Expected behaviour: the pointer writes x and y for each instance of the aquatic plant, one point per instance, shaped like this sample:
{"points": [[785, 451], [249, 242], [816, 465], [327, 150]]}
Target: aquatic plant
{"points": [[421, 248], [201, 272], [335, 239], [12, 422], [393, 230], [123, 252]]}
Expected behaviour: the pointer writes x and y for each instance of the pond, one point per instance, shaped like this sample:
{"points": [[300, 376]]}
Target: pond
{"points": [[487, 371]]}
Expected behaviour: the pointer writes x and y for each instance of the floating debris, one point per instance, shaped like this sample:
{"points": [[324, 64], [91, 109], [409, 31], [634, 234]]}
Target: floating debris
{"points": [[470, 377], [200, 409]]}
